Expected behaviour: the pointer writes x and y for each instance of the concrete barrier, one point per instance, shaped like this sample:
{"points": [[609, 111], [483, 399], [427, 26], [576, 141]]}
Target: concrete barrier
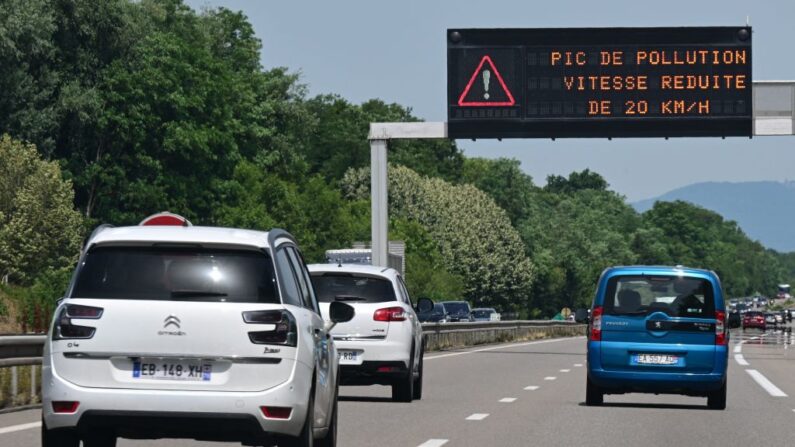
{"points": [[459, 335]]}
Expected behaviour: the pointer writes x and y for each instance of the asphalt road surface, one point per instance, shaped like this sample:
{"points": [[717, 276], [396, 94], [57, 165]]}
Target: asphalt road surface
{"points": [[532, 394]]}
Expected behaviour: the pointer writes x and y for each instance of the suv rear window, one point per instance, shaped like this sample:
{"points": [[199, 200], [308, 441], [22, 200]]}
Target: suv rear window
{"points": [[177, 274], [456, 307], [674, 295], [352, 288]]}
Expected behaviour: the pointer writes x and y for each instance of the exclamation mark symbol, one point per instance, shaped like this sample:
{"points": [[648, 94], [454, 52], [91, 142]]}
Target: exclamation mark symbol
{"points": [[486, 79]]}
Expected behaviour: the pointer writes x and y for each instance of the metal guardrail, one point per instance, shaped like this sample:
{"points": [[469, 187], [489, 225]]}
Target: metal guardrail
{"points": [[478, 325]]}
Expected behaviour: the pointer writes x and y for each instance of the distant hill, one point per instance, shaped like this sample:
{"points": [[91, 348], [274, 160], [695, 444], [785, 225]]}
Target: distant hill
{"points": [[764, 210]]}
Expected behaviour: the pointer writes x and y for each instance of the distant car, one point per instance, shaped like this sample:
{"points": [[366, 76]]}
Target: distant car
{"points": [[436, 315], [754, 319], [779, 318], [485, 314], [639, 343], [735, 320], [770, 319], [458, 310], [382, 344]]}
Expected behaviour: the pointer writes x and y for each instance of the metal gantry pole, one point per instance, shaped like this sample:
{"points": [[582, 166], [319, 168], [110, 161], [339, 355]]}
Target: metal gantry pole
{"points": [[379, 199]]}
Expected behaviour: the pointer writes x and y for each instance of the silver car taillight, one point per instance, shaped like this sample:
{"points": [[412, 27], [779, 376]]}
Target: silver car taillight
{"points": [[64, 327], [284, 332]]}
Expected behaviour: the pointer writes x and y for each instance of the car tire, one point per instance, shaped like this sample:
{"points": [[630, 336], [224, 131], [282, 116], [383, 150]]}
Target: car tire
{"points": [[716, 400], [417, 393], [593, 394], [403, 388], [100, 440], [58, 437], [306, 438]]}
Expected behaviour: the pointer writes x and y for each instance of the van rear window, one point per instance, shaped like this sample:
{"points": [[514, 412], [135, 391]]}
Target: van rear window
{"points": [[176, 274], [673, 295]]}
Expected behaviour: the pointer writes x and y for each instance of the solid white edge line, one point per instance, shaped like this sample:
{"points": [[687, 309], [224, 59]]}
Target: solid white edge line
{"points": [[20, 427], [434, 443], [477, 416], [741, 360], [765, 383], [507, 400], [510, 345], [531, 388]]}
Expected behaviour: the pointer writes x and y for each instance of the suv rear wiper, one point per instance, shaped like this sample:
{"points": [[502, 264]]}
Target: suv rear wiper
{"points": [[195, 293], [349, 298]]}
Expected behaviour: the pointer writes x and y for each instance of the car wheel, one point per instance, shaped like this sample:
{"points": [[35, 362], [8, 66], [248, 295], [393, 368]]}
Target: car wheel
{"points": [[417, 395], [403, 388], [716, 400], [58, 437], [306, 438], [593, 394], [100, 440]]}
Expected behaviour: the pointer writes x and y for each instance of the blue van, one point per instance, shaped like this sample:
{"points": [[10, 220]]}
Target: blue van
{"points": [[658, 330]]}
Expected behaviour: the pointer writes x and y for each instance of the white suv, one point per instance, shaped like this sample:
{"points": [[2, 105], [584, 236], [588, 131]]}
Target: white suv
{"points": [[383, 343], [190, 332]]}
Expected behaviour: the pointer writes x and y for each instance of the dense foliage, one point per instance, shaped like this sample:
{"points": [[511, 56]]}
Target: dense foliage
{"points": [[148, 106]]}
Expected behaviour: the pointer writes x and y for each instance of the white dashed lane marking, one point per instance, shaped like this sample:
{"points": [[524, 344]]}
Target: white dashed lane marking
{"points": [[765, 383], [565, 370], [477, 417], [20, 427], [433, 443], [578, 365], [508, 400], [550, 378], [741, 360], [531, 388]]}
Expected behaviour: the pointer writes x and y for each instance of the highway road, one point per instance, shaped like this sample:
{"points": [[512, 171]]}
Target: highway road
{"points": [[532, 394]]}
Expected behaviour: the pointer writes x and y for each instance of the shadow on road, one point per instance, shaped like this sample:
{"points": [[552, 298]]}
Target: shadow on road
{"points": [[364, 399], [650, 406]]}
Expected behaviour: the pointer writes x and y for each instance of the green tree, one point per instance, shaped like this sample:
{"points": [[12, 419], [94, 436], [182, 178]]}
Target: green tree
{"points": [[475, 238], [504, 181], [577, 181], [39, 228]]}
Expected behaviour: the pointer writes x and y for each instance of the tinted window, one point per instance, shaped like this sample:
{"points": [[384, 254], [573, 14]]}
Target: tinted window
{"points": [[482, 313], [674, 295], [404, 291], [456, 307], [353, 288], [287, 279], [187, 274]]}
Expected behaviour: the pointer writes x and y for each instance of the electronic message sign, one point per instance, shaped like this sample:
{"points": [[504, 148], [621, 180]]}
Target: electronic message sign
{"points": [[599, 82]]}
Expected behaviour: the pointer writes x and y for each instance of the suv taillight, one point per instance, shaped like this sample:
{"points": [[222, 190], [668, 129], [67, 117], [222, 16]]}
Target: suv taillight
{"points": [[390, 314], [595, 334], [284, 332], [720, 328], [65, 329]]}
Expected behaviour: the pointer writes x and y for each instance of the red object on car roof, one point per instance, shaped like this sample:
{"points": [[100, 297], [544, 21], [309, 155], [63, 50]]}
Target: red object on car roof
{"points": [[166, 218]]}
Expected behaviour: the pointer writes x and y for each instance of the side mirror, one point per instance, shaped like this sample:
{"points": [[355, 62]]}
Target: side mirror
{"points": [[339, 313], [424, 305]]}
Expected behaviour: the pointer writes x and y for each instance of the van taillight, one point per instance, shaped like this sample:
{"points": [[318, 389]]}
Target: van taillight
{"points": [[390, 314], [65, 329], [284, 332], [720, 328], [595, 334]]}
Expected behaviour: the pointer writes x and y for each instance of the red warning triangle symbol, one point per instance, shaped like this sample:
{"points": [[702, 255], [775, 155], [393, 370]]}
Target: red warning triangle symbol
{"points": [[486, 99]]}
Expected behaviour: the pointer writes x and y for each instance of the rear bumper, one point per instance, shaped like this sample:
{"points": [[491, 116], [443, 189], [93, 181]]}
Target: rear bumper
{"points": [[755, 325], [663, 382], [201, 415], [382, 361]]}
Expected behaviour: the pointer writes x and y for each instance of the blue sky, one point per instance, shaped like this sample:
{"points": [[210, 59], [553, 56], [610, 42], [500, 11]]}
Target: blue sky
{"points": [[362, 49]]}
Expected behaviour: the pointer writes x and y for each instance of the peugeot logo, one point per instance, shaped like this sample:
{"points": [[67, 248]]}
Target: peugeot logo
{"points": [[171, 319], [657, 324]]}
